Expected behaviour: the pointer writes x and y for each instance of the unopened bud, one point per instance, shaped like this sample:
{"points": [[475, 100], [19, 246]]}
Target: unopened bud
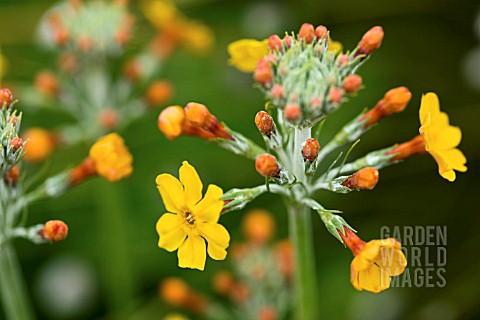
{"points": [[275, 43], [396, 100], [6, 97], [85, 43], [170, 121], [267, 313], [159, 93], [54, 230], [321, 32], [197, 114], [175, 291], [316, 102], [12, 176], [288, 41], [267, 165], [258, 226], [307, 32], [46, 82], [108, 118], [263, 72], [365, 178], [343, 60], [293, 112], [310, 149], [264, 123], [352, 83], [371, 40], [16, 143], [335, 95], [277, 91], [223, 282]]}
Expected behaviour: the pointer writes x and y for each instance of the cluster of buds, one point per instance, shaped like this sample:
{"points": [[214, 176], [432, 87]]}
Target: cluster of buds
{"points": [[74, 25], [12, 147], [306, 80], [193, 120]]}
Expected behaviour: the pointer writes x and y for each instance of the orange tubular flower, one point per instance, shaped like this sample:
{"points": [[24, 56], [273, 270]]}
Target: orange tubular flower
{"points": [[111, 157], [40, 144], [374, 263], [409, 148]]}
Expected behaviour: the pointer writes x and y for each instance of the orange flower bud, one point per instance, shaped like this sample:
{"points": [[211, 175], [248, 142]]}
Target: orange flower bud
{"points": [[16, 143], [321, 32], [264, 123], [199, 117], [307, 32], [6, 97], [267, 313], [54, 230], [83, 171], [288, 41], [275, 43], [170, 121], [46, 82], [371, 40], [293, 112], [159, 92], [12, 176], [240, 293], [277, 91], [396, 100], [131, 70], [335, 95], [223, 282], [258, 226], [267, 165], [263, 73], [67, 62], [85, 43], [409, 148], [108, 118], [174, 291], [60, 35], [365, 178], [316, 102], [310, 149], [352, 83], [343, 60], [40, 144]]}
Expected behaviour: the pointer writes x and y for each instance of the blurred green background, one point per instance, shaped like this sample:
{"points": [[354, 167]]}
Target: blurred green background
{"points": [[111, 254]]}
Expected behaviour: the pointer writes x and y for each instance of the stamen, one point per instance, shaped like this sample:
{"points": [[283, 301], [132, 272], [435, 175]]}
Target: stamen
{"points": [[189, 218]]}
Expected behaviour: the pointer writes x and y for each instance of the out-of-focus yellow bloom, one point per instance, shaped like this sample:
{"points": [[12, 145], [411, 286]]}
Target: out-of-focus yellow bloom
{"points": [[197, 37], [376, 262], [40, 144], [159, 12], [335, 46], [245, 53], [192, 220], [441, 139], [111, 157]]}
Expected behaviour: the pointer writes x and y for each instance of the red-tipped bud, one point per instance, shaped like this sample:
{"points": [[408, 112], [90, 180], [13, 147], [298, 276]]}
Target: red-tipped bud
{"points": [[6, 97], [264, 123], [54, 230], [371, 40], [46, 82], [335, 95], [310, 149], [352, 83], [293, 112], [277, 91], [365, 178], [409, 148], [12, 176], [267, 165], [16, 143], [288, 41], [275, 43], [343, 60], [307, 32], [109, 118], [321, 32], [263, 72]]}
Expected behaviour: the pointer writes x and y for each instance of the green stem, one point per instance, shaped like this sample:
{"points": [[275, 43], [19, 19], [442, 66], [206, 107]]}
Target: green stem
{"points": [[13, 293]]}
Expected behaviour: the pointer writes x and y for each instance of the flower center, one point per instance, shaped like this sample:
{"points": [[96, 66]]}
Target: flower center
{"points": [[189, 218]]}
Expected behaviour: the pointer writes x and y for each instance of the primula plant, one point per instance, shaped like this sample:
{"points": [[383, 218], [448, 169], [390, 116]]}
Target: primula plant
{"points": [[303, 82], [108, 158]]}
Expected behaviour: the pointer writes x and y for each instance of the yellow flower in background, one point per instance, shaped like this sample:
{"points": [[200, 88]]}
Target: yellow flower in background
{"points": [[441, 139], [197, 37], [191, 220], [335, 46], [245, 53], [375, 263], [159, 12], [111, 157]]}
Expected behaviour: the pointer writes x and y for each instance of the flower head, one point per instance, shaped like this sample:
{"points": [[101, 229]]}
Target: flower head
{"points": [[191, 220], [111, 157], [441, 139], [245, 53], [374, 262]]}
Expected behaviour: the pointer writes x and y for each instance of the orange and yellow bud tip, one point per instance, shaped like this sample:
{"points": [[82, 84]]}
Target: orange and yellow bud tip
{"points": [[54, 230]]}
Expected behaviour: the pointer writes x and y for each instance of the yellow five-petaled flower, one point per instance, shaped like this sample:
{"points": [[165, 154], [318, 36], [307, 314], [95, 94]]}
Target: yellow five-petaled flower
{"points": [[441, 139], [191, 220]]}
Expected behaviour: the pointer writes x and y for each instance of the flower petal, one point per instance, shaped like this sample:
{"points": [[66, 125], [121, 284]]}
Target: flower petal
{"points": [[217, 238], [429, 104], [192, 253], [191, 183], [391, 260], [172, 192], [372, 279], [171, 231], [448, 138], [208, 210]]}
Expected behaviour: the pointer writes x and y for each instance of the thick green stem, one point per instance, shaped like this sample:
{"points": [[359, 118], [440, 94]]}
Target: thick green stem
{"points": [[306, 290], [15, 301]]}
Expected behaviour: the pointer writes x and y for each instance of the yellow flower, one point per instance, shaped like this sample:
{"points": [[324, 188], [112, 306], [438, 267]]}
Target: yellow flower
{"points": [[111, 157], [245, 53], [191, 220], [335, 46], [375, 263], [441, 139]]}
